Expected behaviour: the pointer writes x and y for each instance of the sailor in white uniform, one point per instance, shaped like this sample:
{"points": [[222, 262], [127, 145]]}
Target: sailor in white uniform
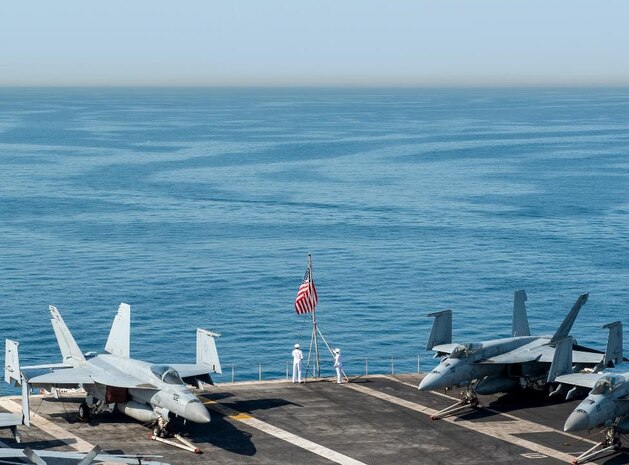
{"points": [[298, 356], [338, 365]]}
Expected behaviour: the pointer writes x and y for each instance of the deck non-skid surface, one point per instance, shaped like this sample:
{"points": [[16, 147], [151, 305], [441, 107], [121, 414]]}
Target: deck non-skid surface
{"points": [[373, 420]]}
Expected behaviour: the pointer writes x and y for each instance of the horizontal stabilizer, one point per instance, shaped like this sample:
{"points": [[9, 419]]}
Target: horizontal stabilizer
{"points": [[566, 325], [441, 332], [207, 354], [67, 345], [119, 340], [520, 325]]}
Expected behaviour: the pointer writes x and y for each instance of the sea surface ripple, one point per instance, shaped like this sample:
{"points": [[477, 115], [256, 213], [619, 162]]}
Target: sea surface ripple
{"points": [[199, 207]]}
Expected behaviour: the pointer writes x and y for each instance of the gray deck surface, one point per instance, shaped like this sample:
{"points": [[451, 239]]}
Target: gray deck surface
{"points": [[373, 420]]}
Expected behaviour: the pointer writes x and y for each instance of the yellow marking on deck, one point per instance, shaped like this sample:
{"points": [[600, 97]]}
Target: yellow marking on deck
{"points": [[240, 417]]}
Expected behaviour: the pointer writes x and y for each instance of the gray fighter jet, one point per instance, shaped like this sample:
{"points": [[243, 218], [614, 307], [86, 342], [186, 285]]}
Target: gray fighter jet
{"points": [[607, 404], [145, 391], [13, 420], [497, 365]]}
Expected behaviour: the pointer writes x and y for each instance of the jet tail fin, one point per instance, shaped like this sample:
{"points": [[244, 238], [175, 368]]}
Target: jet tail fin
{"points": [[520, 320], [441, 332], [566, 325], [562, 359], [206, 350], [67, 345], [613, 352], [119, 340]]}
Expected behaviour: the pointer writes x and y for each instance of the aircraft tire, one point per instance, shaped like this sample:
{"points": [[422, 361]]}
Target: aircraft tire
{"points": [[84, 412]]}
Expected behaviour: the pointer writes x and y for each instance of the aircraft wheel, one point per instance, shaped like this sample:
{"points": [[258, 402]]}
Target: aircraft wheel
{"points": [[159, 432], [84, 411]]}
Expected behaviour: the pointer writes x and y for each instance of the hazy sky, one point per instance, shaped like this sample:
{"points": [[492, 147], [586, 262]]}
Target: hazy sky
{"points": [[322, 42]]}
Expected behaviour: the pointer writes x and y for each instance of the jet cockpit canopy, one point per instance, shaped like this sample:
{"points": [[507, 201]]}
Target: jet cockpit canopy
{"points": [[465, 350], [607, 384], [166, 374]]}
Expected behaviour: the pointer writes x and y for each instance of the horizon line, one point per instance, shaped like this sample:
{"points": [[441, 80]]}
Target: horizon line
{"points": [[339, 85]]}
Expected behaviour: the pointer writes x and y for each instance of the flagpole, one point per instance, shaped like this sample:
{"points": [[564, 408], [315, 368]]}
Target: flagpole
{"points": [[314, 325]]}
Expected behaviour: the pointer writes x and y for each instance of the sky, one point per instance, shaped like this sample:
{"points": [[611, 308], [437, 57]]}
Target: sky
{"points": [[321, 42]]}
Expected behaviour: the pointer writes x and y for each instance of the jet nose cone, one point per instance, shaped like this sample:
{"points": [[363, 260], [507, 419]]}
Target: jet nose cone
{"points": [[577, 421], [196, 411], [431, 382]]}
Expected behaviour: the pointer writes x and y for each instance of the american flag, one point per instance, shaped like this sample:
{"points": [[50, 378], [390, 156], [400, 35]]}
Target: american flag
{"points": [[306, 295]]}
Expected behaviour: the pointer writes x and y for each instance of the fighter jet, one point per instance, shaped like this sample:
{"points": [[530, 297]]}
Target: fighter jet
{"points": [[607, 404], [497, 365], [13, 420], [150, 393]]}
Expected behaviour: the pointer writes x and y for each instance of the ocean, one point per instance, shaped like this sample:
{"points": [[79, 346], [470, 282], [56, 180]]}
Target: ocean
{"points": [[199, 208]]}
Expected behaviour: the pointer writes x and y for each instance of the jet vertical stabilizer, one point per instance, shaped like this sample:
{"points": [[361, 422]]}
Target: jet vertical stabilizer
{"points": [[207, 354], [566, 325], [67, 345], [520, 320], [613, 352], [562, 359], [118, 342], [441, 332]]}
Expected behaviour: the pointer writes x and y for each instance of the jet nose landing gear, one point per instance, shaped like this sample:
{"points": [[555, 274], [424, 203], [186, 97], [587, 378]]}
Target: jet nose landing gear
{"points": [[468, 399]]}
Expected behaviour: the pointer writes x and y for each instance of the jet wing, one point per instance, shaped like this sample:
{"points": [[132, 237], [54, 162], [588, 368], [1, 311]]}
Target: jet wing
{"points": [[64, 377], [578, 356], [118, 378], [187, 370], [444, 348], [586, 380], [49, 366], [542, 354], [89, 375]]}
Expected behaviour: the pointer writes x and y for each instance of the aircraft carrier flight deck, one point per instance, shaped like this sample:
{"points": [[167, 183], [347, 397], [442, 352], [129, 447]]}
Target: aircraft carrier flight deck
{"points": [[379, 419]]}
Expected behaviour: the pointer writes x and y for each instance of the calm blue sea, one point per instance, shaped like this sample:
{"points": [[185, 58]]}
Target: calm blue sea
{"points": [[199, 208]]}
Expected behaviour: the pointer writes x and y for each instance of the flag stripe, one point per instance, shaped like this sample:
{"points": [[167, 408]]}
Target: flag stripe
{"points": [[307, 298]]}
